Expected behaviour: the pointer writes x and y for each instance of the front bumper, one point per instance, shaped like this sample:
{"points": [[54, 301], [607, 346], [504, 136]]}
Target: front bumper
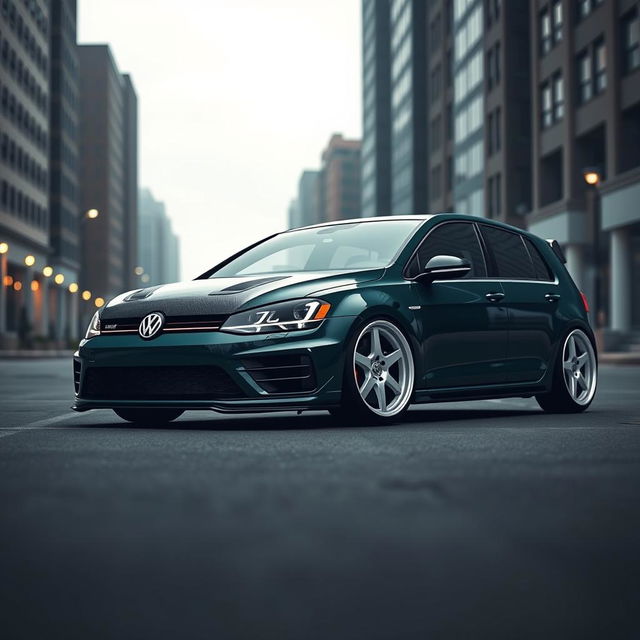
{"points": [[230, 353]]}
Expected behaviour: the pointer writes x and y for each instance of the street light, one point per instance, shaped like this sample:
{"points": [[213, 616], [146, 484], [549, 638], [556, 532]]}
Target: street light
{"points": [[592, 177], [73, 287], [4, 247], [29, 260], [139, 271], [47, 272], [99, 302], [92, 214], [59, 279], [86, 295]]}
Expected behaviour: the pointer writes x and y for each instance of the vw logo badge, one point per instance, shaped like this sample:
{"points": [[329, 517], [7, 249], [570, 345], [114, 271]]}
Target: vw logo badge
{"points": [[150, 325]]}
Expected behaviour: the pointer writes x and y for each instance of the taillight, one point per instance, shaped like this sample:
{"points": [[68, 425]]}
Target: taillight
{"points": [[585, 302]]}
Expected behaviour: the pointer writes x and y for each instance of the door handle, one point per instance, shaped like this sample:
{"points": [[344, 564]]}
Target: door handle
{"points": [[552, 297], [494, 296]]}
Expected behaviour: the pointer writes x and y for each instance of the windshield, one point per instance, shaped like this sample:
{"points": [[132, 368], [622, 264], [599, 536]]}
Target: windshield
{"points": [[358, 245]]}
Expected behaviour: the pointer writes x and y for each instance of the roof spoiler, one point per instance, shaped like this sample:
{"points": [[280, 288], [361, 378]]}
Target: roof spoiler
{"points": [[557, 249]]}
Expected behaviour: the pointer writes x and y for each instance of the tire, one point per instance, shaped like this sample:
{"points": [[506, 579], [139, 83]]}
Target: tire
{"points": [[148, 417], [575, 376], [379, 375]]}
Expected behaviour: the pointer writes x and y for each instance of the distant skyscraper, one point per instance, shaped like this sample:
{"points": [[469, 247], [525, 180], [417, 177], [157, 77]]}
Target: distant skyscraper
{"points": [[107, 170], [24, 167], [63, 176], [158, 246], [130, 181], [339, 190], [409, 181], [293, 215], [308, 198], [376, 100]]}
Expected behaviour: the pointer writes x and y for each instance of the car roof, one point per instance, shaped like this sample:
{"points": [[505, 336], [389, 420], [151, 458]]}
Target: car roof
{"points": [[417, 216]]}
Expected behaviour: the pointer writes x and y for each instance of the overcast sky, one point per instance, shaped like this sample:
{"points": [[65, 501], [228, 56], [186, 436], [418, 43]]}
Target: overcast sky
{"points": [[236, 98]]}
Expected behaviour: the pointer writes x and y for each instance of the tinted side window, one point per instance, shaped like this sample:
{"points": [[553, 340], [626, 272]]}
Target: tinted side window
{"points": [[542, 269], [509, 253], [453, 239]]}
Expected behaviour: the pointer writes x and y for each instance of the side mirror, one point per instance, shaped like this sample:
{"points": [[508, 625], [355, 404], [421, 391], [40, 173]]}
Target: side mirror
{"points": [[444, 268]]}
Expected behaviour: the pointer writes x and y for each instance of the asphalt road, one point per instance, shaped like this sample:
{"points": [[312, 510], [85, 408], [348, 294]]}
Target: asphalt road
{"points": [[474, 520]]}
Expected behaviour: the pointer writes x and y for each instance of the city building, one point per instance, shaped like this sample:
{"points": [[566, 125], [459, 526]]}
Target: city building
{"points": [[130, 177], [108, 159], [376, 101], [308, 198], [440, 169], [158, 246], [465, 64], [24, 169], [468, 107], [63, 300], [585, 75], [409, 129], [339, 180]]}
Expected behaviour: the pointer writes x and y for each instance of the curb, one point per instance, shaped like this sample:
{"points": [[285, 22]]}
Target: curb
{"points": [[32, 354]]}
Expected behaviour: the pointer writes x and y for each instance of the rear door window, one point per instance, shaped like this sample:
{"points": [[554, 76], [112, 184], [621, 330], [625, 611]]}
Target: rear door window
{"points": [[510, 255]]}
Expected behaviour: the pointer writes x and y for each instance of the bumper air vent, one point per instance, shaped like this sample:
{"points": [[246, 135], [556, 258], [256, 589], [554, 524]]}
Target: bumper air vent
{"points": [[76, 374], [290, 373]]}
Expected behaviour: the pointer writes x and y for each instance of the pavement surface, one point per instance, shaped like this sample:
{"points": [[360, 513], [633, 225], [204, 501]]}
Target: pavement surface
{"points": [[469, 520]]}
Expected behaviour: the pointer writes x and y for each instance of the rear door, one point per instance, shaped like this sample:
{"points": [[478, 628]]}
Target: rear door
{"points": [[462, 322], [532, 298]]}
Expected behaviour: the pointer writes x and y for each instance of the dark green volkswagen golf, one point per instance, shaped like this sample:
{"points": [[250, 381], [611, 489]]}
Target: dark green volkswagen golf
{"points": [[360, 317]]}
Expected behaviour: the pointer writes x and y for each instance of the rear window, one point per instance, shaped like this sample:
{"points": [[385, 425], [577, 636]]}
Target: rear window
{"points": [[541, 267]]}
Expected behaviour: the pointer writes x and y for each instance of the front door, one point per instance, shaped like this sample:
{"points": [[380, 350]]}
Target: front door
{"points": [[463, 323]]}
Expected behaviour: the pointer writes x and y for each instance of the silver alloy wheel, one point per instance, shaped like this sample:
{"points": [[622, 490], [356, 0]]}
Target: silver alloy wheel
{"points": [[579, 367], [383, 368]]}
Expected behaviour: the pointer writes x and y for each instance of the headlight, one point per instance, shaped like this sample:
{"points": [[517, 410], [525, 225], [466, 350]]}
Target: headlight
{"points": [[295, 315], [94, 326]]}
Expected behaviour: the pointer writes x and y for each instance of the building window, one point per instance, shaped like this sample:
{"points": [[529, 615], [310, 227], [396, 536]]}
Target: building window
{"points": [[545, 32], [494, 139], [552, 101], [631, 41], [493, 66], [592, 72], [558, 97], [600, 67], [547, 112], [557, 22], [585, 81], [436, 133], [585, 7]]}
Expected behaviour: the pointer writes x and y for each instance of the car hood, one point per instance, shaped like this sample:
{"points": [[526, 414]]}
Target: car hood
{"points": [[224, 296]]}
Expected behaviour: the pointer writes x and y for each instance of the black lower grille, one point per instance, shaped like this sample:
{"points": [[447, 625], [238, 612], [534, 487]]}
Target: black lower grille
{"points": [[291, 373], [159, 383], [76, 375]]}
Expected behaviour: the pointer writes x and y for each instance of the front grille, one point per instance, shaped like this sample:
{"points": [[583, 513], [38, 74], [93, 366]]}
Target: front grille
{"points": [[202, 382], [120, 326], [290, 373]]}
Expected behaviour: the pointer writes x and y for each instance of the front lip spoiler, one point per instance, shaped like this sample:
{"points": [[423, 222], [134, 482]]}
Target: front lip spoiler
{"points": [[307, 403]]}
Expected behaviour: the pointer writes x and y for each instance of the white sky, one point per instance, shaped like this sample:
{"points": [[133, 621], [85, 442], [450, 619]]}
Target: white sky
{"points": [[236, 98]]}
